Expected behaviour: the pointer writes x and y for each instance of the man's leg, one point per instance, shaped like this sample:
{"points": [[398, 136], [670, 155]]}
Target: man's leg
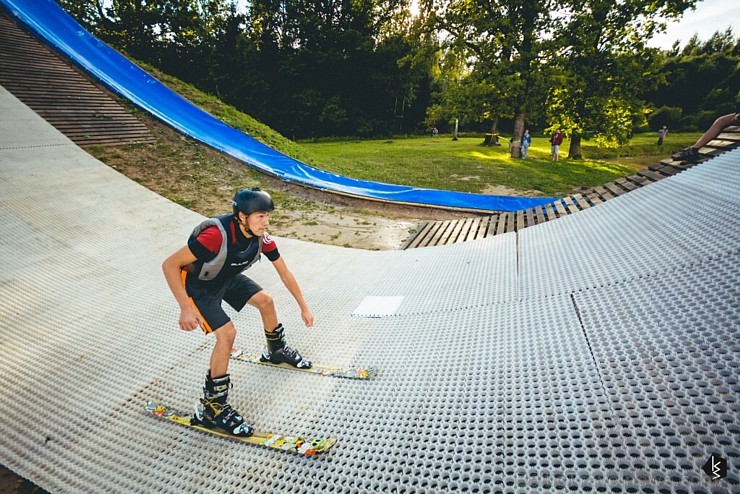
{"points": [[277, 351], [265, 304], [225, 336], [214, 410], [691, 154], [245, 291], [715, 129]]}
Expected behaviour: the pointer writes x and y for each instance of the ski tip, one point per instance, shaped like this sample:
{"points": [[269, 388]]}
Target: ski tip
{"points": [[361, 373], [157, 409], [370, 372], [317, 447]]}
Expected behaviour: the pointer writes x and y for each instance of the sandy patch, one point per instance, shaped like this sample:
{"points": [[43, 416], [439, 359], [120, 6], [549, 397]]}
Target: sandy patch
{"points": [[204, 180], [502, 190], [347, 228], [464, 178]]}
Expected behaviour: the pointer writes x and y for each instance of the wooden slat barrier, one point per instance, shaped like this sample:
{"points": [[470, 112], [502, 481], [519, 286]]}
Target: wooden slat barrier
{"points": [[65, 98], [500, 223]]}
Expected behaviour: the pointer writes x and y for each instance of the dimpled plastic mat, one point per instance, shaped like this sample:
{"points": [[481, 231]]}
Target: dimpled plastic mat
{"points": [[594, 353]]}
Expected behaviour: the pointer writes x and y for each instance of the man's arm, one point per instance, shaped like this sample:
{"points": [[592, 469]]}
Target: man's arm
{"points": [[189, 316], [292, 285]]}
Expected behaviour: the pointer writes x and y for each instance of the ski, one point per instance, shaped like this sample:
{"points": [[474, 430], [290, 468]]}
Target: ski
{"points": [[362, 373], [293, 444]]}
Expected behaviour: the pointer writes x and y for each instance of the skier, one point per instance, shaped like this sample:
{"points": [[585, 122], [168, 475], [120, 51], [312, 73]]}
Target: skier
{"points": [[207, 271]]}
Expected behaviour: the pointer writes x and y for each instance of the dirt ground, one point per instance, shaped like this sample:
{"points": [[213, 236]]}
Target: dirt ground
{"points": [[12, 484], [205, 180]]}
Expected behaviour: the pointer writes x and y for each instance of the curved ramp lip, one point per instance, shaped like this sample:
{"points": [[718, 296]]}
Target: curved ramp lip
{"points": [[51, 24]]}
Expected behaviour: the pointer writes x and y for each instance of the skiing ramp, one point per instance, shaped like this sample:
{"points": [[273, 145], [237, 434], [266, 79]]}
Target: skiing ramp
{"points": [[596, 352], [51, 24]]}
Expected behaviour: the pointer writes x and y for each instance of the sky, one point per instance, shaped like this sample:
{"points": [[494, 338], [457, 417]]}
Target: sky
{"points": [[709, 17]]}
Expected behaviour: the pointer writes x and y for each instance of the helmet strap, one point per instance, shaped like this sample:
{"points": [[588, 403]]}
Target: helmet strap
{"points": [[246, 228]]}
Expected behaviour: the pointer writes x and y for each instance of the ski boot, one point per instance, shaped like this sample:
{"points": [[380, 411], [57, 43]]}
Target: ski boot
{"points": [[688, 155], [277, 352], [213, 410]]}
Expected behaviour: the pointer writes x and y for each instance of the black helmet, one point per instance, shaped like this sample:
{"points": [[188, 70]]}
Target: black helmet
{"points": [[250, 201]]}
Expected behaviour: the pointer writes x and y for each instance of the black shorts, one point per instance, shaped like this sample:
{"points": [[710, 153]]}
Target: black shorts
{"points": [[236, 293]]}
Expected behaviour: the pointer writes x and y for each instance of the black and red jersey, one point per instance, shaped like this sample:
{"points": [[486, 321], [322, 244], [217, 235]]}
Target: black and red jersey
{"points": [[223, 251]]}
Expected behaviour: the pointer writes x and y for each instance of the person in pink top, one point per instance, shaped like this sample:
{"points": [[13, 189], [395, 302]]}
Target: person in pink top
{"points": [[555, 141]]}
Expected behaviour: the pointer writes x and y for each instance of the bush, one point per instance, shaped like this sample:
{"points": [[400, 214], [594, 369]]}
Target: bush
{"points": [[669, 116], [705, 119], [688, 124]]}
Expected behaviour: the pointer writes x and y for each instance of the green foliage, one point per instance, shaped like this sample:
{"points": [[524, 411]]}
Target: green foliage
{"points": [[585, 61], [669, 116], [491, 63], [304, 67], [311, 68], [603, 68], [232, 116], [703, 80], [435, 114], [616, 126], [334, 116]]}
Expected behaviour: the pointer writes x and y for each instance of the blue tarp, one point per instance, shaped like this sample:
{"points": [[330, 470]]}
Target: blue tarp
{"points": [[50, 23]]}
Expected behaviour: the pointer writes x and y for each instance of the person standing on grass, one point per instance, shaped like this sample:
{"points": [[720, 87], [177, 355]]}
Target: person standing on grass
{"points": [[526, 141], [208, 271], [661, 135], [556, 140]]}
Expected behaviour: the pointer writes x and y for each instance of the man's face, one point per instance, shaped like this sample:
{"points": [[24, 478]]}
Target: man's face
{"points": [[257, 222]]}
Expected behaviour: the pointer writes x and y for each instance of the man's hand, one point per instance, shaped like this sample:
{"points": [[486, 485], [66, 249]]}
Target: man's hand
{"points": [[189, 319], [307, 318]]}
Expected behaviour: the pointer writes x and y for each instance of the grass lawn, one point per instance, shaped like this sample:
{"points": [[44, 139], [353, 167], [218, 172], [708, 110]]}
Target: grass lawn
{"points": [[465, 165], [441, 163]]}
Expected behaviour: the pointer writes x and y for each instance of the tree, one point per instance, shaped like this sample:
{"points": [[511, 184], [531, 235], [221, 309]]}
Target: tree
{"points": [[586, 57], [467, 92], [304, 67], [702, 79], [605, 67], [90, 13], [451, 89], [597, 96], [336, 65], [504, 42]]}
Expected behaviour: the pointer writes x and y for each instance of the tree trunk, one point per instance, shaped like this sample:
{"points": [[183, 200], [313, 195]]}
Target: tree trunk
{"points": [[494, 133], [494, 126], [518, 132], [574, 151]]}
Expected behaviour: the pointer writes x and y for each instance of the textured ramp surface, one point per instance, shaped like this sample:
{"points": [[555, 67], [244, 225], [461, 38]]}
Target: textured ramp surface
{"points": [[593, 353]]}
